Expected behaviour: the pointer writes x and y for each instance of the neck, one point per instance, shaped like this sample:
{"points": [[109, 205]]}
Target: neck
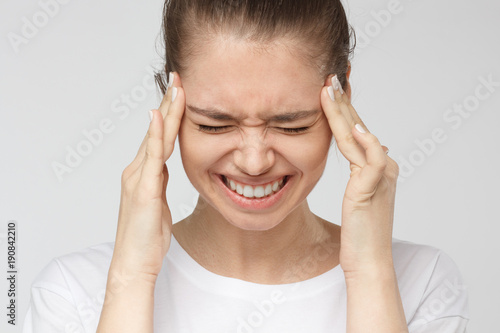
{"points": [[257, 256]]}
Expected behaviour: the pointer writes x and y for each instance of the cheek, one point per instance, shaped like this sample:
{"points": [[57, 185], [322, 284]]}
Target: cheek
{"points": [[198, 150], [309, 160], [308, 152]]}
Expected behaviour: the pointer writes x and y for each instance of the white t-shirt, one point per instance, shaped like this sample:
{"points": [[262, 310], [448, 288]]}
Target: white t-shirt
{"points": [[68, 294]]}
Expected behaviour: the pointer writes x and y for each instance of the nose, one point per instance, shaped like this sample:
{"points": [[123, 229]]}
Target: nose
{"points": [[254, 155]]}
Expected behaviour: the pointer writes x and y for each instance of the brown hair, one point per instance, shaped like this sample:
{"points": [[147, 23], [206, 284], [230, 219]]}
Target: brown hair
{"points": [[320, 26]]}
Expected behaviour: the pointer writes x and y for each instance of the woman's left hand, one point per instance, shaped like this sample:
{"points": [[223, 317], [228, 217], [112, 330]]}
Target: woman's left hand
{"points": [[368, 204]]}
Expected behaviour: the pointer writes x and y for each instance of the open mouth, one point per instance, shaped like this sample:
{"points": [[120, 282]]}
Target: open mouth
{"points": [[260, 191]]}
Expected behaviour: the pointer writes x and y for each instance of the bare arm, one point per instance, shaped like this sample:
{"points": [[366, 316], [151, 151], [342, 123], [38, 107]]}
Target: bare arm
{"points": [[128, 303], [373, 301], [144, 224]]}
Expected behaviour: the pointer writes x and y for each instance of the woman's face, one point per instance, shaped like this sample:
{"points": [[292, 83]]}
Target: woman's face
{"points": [[256, 97]]}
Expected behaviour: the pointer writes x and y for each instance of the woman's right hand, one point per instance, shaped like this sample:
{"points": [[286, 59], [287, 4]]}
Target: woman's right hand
{"points": [[145, 222]]}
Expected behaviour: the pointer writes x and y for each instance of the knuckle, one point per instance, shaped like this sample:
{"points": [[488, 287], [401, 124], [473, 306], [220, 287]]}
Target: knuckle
{"points": [[151, 155], [384, 184], [381, 166], [128, 186], [126, 174], [373, 139], [395, 166], [169, 146], [147, 155], [394, 169], [147, 190], [350, 140]]}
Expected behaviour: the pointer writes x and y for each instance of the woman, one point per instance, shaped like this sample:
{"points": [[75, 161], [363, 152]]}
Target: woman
{"points": [[257, 91]]}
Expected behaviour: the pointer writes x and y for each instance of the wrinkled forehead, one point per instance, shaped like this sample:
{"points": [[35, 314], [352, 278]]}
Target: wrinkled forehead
{"points": [[243, 77]]}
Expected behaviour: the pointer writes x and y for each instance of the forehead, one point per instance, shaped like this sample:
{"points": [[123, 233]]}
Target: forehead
{"points": [[250, 80]]}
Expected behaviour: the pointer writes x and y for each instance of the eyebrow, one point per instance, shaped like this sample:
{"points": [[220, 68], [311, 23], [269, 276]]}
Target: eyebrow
{"points": [[280, 118]]}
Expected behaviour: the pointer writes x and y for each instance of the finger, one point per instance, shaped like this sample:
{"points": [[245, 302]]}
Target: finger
{"points": [[139, 156], [142, 148], [355, 116], [342, 100], [346, 100], [164, 105], [340, 127], [167, 98], [173, 120], [152, 166], [376, 161]]}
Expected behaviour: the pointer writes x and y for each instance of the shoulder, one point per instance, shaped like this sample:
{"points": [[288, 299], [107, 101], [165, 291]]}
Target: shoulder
{"points": [[84, 270], [421, 260], [430, 283], [417, 254], [68, 292]]}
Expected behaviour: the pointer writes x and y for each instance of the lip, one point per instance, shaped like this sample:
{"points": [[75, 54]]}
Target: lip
{"points": [[253, 203]]}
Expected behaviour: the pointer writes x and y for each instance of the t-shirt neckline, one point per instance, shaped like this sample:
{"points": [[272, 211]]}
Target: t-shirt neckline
{"points": [[235, 287]]}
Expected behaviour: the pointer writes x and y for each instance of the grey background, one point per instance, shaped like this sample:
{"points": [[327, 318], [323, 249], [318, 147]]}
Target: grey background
{"points": [[409, 70]]}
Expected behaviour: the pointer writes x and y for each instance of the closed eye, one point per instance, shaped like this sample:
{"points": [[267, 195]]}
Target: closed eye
{"points": [[218, 129], [212, 129], [294, 130]]}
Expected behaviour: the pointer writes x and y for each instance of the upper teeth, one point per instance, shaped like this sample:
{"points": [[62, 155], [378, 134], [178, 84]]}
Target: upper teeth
{"points": [[260, 191]]}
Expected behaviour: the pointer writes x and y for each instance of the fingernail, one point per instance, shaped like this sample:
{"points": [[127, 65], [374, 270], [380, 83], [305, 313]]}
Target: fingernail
{"points": [[151, 115], [170, 79], [336, 84], [360, 128], [174, 93], [330, 92]]}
